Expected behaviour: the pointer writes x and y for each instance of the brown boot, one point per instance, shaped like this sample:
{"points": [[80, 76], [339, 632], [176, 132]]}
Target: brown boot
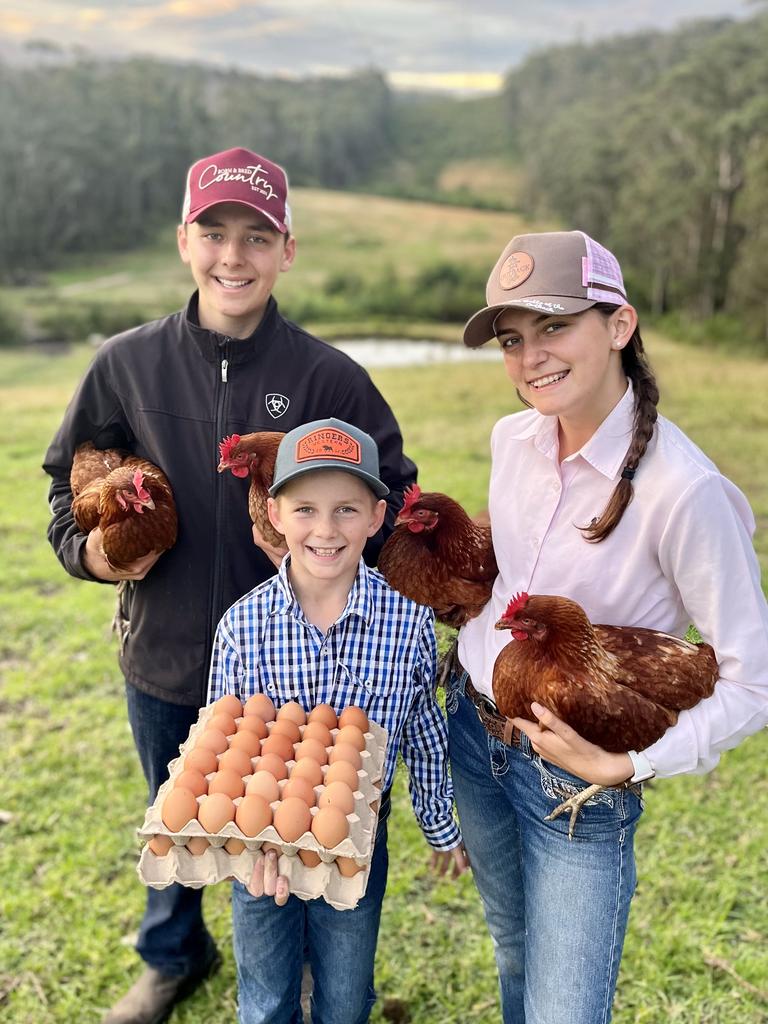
{"points": [[152, 997]]}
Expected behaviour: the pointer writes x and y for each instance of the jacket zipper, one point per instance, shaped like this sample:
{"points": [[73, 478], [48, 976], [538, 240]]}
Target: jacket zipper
{"points": [[218, 531]]}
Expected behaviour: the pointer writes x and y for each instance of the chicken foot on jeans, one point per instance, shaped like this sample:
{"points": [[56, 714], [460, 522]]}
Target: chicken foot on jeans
{"points": [[574, 804]]}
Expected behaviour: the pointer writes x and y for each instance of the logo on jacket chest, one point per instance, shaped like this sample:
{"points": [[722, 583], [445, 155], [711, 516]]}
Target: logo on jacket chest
{"points": [[276, 404]]}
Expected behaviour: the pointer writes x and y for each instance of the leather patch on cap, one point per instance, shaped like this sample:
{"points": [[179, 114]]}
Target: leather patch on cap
{"points": [[516, 268], [328, 444]]}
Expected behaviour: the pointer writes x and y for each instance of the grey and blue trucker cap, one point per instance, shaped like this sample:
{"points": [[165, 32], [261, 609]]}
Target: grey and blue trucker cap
{"points": [[328, 444]]}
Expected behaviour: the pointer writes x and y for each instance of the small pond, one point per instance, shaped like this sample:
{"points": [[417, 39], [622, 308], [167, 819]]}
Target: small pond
{"points": [[375, 353]]}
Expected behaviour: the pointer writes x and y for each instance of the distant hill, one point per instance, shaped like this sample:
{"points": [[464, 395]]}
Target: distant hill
{"points": [[654, 142]]}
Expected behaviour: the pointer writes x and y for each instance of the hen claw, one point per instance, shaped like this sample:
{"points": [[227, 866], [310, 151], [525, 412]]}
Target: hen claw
{"points": [[574, 804]]}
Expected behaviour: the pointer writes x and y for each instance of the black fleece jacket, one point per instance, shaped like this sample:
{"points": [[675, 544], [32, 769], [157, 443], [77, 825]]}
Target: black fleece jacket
{"points": [[170, 391]]}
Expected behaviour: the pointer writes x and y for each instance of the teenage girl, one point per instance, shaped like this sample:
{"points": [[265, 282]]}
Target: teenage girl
{"points": [[596, 497]]}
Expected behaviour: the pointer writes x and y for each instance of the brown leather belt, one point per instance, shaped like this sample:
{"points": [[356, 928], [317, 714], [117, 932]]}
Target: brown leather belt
{"points": [[497, 725]]}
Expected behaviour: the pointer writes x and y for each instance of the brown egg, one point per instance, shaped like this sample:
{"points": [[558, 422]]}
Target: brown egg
{"points": [[247, 741], [212, 739], [286, 727], [354, 715], [202, 759], [264, 784], [330, 826], [347, 867], [197, 845], [260, 704], [179, 807], [309, 858], [160, 845], [253, 724], [313, 749], [253, 814], [292, 819], [274, 765], [308, 768], [224, 723], [215, 811], [227, 781], [346, 752], [299, 787], [234, 846], [318, 731], [237, 760], [277, 744], [193, 780], [352, 735], [294, 711], [323, 713], [230, 705], [342, 771], [337, 794]]}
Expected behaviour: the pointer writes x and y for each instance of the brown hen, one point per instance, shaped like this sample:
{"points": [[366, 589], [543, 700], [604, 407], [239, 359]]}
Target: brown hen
{"points": [[128, 498], [439, 557], [254, 455], [620, 687]]}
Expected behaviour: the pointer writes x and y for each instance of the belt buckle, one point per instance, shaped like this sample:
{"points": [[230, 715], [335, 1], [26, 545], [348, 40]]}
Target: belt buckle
{"points": [[487, 706]]}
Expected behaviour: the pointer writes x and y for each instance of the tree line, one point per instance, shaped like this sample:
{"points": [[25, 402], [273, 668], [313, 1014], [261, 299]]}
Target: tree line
{"points": [[656, 143]]}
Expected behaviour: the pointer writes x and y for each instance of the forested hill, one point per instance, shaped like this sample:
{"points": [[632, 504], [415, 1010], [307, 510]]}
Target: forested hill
{"points": [[656, 143]]}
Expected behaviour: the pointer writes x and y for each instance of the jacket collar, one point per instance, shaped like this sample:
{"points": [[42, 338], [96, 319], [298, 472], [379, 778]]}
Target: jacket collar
{"points": [[212, 345]]}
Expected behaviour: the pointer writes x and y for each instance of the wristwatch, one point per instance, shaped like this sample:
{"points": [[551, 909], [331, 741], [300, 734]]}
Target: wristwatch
{"points": [[644, 770]]}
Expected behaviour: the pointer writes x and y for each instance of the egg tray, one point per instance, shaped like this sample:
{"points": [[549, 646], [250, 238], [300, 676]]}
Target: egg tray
{"points": [[216, 864]]}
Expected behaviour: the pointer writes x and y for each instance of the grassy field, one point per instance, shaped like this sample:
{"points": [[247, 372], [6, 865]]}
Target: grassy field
{"points": [[71, 782], [72, 792]]}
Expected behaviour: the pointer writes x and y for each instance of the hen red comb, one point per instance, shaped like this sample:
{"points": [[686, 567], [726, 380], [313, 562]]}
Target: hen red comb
{"points": [[410, 496], [517, 604], [226, 446], [138, 483]]}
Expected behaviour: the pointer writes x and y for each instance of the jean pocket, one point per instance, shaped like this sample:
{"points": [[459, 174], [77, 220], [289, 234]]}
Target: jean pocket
{"points": [[453, 690], [607, 812]]}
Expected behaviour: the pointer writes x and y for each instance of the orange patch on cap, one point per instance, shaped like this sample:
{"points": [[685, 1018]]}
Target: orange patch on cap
{"points": [[516, 268], [327, 443]]}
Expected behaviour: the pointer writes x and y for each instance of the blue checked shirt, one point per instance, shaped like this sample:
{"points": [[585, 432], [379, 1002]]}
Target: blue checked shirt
{"points": [[380, 654]]}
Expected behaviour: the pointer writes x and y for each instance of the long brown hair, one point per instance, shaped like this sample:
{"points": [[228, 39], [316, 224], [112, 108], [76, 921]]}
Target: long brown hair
{"points": [[636, 366]]}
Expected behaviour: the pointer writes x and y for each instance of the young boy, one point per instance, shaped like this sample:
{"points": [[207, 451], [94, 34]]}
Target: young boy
{"points": [[169, 391], [327, 629]]}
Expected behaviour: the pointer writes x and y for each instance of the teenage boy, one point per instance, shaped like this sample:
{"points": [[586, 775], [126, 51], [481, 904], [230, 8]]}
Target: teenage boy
{"points": [[169, 391], [327, 629]]}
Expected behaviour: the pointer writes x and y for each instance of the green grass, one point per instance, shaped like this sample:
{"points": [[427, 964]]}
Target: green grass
{"points": [[72, 784]]}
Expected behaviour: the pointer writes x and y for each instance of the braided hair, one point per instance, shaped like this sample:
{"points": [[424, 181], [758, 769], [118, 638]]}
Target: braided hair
{"points": [[636, 366]]}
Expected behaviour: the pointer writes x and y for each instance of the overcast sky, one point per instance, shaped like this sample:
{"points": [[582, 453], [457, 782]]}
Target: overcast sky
{"points": [[464, 44]]}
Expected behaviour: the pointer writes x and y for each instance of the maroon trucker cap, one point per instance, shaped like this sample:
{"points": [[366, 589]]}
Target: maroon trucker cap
{"points": [[238, 176], [549, 272]]}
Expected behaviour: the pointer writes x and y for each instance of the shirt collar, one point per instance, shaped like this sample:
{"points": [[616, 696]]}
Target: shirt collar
{"points": [[605, 451], [359, 601]]}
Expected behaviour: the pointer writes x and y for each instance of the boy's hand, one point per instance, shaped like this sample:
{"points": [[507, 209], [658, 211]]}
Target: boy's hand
{"points": [[442, 860], [98, 566], [265, 880], [275, 555]]}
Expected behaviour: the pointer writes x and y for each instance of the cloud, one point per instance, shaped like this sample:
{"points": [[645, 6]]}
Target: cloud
{"points": [[454, 44]]}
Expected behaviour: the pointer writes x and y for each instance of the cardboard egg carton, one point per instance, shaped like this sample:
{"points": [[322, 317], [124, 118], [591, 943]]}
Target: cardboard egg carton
{"points": [[216, 863]]}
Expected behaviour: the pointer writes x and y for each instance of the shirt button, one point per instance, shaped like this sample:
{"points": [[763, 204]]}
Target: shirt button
{"points": [[271, 687]]}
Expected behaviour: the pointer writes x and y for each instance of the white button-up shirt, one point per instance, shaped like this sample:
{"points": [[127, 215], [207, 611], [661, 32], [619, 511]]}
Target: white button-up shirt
{"points": [[681, 555]]}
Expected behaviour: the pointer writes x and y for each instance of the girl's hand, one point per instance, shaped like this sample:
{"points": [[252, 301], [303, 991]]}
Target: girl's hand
{"points": [[563, 746], [265, 881], [443, 859]]}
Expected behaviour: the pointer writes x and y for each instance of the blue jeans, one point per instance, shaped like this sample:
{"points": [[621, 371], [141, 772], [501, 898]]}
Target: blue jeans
{"points": [[271, 944], [556, 909], [172, 936]]}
